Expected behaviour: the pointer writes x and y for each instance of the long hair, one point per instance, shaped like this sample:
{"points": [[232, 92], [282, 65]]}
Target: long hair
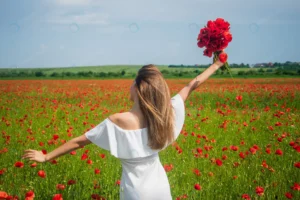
{"points": [[155, 103]]}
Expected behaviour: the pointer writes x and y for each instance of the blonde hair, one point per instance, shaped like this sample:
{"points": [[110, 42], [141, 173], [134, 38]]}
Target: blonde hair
{"points": [[155, 103]]}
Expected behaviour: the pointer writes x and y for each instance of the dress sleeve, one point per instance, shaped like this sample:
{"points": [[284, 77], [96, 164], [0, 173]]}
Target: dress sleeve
{"points": [[126, 145], [99, 136], [179, 107]]}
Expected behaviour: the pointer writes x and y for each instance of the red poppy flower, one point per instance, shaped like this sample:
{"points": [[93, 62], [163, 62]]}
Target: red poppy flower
{"points": [[60, 186], [288, 195], [246, 196], [219, 162], [57, 197], [19, 164], [71, 182], [97, 171], [279, 152], [197, 186], [296, 186], [41, 174], [84, 156], [259, 190], [239, 98], [29, 195]]}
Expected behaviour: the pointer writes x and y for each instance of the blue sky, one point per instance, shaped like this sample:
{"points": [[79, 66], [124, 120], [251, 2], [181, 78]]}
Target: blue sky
{"points": [[64, 33]]}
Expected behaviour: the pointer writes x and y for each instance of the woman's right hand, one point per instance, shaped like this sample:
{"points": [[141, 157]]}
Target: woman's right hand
{"points": [[218, 62]]}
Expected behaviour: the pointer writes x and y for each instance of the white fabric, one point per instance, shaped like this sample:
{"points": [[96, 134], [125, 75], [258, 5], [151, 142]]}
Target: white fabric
{"points": [[143, 176]]}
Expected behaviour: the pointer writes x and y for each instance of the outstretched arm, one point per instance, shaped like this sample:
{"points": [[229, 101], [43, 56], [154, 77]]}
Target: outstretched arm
{"points": [[187, 90], [67, 147]]}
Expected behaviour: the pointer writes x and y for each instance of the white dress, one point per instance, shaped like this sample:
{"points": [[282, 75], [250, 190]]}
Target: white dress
{"points": [[143, 176]]}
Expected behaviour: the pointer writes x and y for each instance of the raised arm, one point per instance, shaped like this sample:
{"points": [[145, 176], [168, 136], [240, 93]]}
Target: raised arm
{"points": [[191, 86]]}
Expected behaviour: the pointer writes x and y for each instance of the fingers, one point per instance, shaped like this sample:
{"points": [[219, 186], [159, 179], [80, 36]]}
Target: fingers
{"points": [[27, 155]]}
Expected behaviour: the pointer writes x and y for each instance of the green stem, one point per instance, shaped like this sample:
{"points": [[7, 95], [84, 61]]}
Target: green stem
{"points": [[225, 66]]}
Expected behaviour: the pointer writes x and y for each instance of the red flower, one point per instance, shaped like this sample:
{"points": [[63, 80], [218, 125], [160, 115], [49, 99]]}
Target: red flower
{"points": [[259, 190], [239, 98], [60, 186], [297, 164], [33, 164], [55, 137], [19, 164], [197, 186], [242, 155], [42, 174], [222, 24], [288, 195], [279, 152], [44, 151], [71, 182], [118, 182], [57, 197], [97, 171], [3, 195], [197, 172], [84, 156], [227, 35], [223, 57], [234, 148], [29, 195], [2, 171], [89, 161], [296, 187], [168, 167], [102, 155], [207, 52], [246, 196], [219, 162]]}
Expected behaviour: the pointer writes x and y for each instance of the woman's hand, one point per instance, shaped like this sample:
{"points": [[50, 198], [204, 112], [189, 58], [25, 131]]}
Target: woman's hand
{"points": [[218, 62], [34, 155]]}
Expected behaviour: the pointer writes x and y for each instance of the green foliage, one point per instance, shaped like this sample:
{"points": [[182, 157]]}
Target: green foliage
{"points": [[39, 74], [241, 73], [55, 74]]}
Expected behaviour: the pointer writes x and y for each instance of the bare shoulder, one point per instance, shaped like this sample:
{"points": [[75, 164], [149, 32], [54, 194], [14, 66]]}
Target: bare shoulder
{"points": [[125, 120], [120, 119]]}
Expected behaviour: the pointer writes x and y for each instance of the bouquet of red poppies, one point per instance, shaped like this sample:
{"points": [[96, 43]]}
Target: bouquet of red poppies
{"points": [[215, 37]]}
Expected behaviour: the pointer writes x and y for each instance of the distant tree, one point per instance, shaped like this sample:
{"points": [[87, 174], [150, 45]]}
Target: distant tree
{"points": [[197, 71], [241, 73], [251, 72], [278, 71], [55, 74], [261, 70], [39, 74], [123, 72], [102, 74]]}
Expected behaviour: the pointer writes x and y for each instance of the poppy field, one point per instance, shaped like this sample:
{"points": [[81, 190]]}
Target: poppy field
{"points": [[240, 139]]}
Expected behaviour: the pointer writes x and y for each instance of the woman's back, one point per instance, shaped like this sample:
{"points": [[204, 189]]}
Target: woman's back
{"points": [[143, 176]]}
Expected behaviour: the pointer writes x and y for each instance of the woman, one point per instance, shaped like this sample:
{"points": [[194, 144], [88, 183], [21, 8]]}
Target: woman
{"points": [[136, 136]]}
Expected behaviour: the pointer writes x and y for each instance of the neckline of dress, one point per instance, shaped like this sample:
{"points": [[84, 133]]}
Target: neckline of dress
{"points": [[122, 128]]}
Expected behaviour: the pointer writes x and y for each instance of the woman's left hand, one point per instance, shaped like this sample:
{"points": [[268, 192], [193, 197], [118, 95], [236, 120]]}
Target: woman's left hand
{"points": [[34, 155]]}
